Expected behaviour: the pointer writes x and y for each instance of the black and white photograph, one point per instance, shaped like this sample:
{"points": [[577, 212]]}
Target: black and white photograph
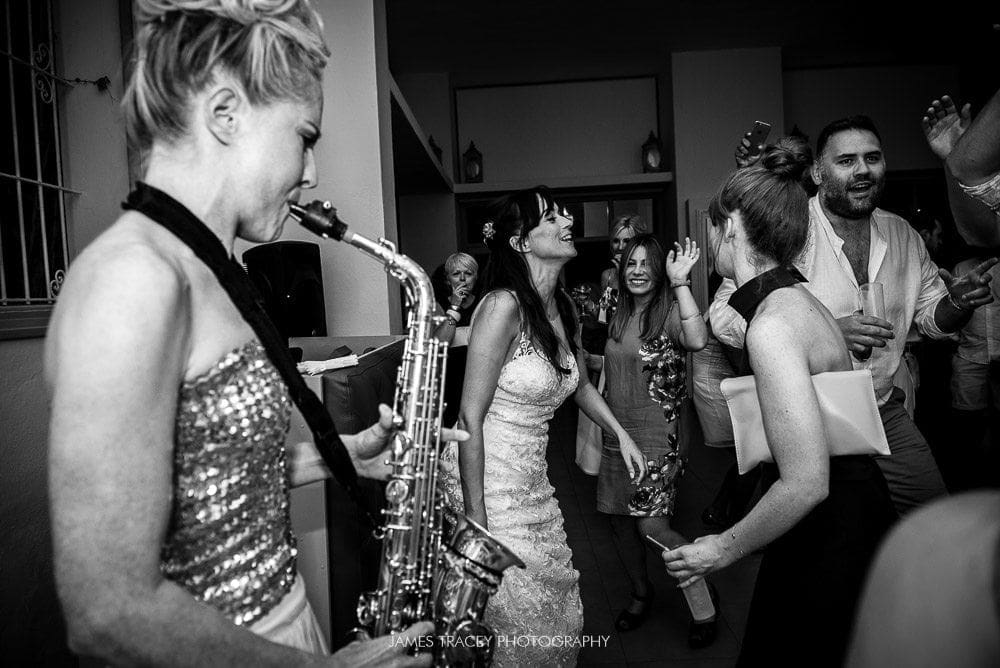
{"points": [[469, 333]]}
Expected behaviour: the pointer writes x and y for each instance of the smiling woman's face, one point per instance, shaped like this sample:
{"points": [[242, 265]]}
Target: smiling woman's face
{"points": [[553, 236], [638, 277]]}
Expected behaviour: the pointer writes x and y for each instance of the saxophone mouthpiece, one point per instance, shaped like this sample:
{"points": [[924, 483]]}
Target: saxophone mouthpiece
{"points": [[320, 218]]}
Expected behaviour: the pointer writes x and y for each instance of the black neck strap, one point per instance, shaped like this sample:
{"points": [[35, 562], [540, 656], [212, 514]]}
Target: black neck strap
{"points": [[748, 297], [175, 217]]}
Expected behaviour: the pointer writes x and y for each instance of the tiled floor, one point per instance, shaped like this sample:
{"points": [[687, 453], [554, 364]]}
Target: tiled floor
{"points": [[662, 639]]}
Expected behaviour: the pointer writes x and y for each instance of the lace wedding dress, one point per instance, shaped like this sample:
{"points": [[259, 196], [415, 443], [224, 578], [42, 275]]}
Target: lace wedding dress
{"points": [[536, 614]]}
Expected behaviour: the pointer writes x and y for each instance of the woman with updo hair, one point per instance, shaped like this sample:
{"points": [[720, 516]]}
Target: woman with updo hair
{"points": [[821, 517], [171, 394], [524, 361]]}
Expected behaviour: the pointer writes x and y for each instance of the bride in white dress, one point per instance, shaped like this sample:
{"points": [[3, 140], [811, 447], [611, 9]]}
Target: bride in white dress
{"points": [[522, 364]]}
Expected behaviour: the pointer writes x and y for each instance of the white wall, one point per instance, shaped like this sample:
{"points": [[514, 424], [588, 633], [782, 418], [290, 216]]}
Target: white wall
{"points": [[539, 131], [95, 157], [351, 164], [717, 97], [894, 97]]}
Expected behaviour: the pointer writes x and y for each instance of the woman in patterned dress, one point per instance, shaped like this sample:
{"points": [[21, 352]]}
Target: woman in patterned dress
{"points": [[656, 324]]}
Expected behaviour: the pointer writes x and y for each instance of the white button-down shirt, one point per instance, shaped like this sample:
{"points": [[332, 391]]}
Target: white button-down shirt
{"points": [[897, 259]]}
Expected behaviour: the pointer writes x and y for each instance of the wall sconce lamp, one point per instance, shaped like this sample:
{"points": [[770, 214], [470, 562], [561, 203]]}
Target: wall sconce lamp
{"points": [[652, 154], [472, 164]]}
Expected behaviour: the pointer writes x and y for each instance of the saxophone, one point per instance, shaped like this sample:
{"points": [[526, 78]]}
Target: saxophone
{"points": [[437, 565]]}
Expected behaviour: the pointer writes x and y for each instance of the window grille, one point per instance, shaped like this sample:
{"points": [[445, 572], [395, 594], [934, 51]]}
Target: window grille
{"points": [[34, 251]]}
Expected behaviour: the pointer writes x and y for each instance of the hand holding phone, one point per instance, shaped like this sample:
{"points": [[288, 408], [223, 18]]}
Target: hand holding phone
{"points": [[752, 144]]}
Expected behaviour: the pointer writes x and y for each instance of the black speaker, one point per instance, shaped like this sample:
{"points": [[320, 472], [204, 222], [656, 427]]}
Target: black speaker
{"points": [[289, 278]]}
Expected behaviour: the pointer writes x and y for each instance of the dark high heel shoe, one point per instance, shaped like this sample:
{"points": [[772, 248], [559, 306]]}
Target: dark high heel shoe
{"points": [[628, 621], [702, 634]]}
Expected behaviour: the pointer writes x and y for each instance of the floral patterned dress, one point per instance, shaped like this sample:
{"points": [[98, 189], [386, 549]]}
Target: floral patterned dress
{"points": [[646, 385]]}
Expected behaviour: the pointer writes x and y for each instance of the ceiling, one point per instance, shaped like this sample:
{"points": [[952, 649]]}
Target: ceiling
{"points": [[518, 40]]}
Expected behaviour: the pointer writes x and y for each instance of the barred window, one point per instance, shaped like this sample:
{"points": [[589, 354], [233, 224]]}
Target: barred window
{"points": [[33, 246]]}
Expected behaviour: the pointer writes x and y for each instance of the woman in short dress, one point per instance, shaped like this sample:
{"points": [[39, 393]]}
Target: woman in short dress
{"points": [[657, 322]]}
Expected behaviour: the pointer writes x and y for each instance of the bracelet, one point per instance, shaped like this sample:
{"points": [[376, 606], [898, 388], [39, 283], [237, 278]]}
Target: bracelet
{"points": [[454, 315], [692, 317], [963, 309], [681, 284]]}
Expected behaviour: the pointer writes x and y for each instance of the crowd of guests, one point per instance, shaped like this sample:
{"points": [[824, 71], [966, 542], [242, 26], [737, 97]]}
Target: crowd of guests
{"points": [[172, 395], [794, 238]]}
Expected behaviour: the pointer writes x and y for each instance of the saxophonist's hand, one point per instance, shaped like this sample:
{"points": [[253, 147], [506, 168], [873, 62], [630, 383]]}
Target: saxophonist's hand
{"points": [[387, 650], [368, 448]]}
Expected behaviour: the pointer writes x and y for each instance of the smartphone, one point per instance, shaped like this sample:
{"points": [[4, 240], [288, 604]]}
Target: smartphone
{"points": [[656, 542], [757, 136]]}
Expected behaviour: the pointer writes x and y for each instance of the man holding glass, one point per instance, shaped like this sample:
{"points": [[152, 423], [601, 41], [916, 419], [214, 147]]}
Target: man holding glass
{"points": [[852, 243]]}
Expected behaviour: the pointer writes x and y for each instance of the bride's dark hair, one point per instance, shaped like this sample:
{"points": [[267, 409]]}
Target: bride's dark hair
{"points": [[514, 216]]}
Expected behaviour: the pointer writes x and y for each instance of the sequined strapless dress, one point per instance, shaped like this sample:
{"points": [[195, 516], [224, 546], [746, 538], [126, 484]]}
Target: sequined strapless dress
{"points": [[536, 614], [229, 541]]}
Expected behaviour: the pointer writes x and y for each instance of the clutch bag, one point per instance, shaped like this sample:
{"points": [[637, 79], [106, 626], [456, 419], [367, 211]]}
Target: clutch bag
{"points": [[847, 404]]}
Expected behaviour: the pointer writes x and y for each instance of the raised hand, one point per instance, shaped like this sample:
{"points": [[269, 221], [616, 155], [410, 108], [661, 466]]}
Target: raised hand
{"points": [[943, 124], [458, 295], [743, 156], [681, 259], [972, 289]]}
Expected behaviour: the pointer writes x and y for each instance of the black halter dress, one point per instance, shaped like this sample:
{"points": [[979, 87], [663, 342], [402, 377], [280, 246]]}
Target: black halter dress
{"points": [[810, 578]]}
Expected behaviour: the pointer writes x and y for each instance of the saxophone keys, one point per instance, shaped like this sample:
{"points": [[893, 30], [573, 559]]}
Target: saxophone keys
{"points": [[396, 491]]}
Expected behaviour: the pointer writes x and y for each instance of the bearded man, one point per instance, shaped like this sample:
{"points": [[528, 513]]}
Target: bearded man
{"points": [[853, 242]]}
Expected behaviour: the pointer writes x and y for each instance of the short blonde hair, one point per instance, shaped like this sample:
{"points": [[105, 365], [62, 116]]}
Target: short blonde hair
{"points": [[461, 261], [274, 48]]}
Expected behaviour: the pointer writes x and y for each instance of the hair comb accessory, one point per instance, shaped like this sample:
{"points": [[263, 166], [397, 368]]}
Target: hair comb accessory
{"points": [[489, 231]]}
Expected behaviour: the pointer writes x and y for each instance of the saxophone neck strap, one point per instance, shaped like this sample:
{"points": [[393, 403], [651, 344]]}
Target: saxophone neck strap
{"points": [[176, 218]]}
